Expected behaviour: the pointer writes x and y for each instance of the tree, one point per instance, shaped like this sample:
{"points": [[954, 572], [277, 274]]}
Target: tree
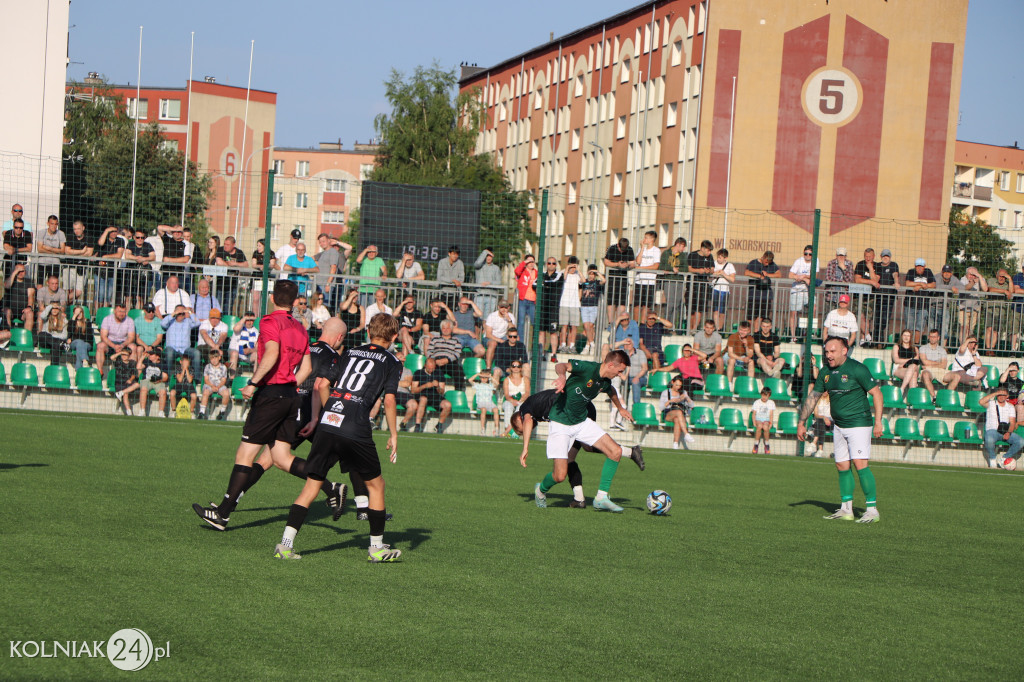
{"points": [[429, 139], [100, 140], [974, 243]]}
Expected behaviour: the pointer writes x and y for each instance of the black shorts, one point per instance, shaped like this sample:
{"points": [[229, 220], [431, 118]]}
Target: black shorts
{"points": [[643, 295], [758, 306], [617, 290], [329, 449], [700, 294], [433, 398], [274, 415], [305, 414]]}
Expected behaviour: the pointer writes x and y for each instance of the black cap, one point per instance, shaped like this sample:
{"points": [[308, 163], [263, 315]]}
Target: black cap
{"points": [[947, 268], [296, 234], [149, 308]]}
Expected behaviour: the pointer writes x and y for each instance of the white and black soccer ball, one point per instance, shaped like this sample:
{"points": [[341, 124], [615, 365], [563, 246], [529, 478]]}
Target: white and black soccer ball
{"points": [[659, 502]]}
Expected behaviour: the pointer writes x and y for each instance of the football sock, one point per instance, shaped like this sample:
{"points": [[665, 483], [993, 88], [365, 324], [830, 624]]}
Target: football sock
{"points": [[575, 476], [577, 493], [359, 488], [548, 483], [626, 452], [236, 484], [376, 541], [377, 521], [867, 484], [607, 474], [362, 501], [257, 471], [296, 517], [298, 469], [846, 486], [202, 409]]}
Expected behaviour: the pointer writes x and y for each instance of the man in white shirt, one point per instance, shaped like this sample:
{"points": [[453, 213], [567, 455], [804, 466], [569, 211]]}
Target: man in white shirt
{"points": [[801, 274], [170, 296], [286, 250], [1000, 423], [213, 334], [842, 323], [647, 262], [379, 305], [496, 328]]}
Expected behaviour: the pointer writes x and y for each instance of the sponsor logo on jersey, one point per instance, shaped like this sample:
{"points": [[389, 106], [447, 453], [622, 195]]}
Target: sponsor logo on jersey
{"points": [[332, 419], [827, 377], [844, 378], [590, 383]]}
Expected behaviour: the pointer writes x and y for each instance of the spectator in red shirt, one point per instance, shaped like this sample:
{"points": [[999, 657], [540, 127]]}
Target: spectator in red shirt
{"points": [[688, 366], [526, 280]]}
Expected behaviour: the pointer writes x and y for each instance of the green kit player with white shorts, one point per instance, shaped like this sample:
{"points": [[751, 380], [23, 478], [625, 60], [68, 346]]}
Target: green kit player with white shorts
{"points": [[570, 423], [848, 384]]}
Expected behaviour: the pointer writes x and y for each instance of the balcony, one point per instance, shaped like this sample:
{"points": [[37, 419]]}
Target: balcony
{"points": [[967, 190]]}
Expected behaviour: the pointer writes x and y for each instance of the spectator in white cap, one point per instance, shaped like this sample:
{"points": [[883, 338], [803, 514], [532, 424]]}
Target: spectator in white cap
{"points": [[838, 275], [919, 282], [841, 322]]}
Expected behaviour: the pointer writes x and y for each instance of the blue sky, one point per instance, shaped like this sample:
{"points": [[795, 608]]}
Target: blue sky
{"points": [[327, 60]]}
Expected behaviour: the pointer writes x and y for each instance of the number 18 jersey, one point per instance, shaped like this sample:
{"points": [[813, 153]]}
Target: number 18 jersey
{"points": [[358, 378]]}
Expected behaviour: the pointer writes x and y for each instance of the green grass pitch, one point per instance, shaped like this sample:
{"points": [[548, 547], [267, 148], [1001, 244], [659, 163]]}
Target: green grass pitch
{"points": [[742, 580]]}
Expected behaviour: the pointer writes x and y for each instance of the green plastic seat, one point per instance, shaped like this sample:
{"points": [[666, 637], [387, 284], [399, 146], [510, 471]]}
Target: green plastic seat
{"points": [[992, 375], [3, 376], [972, 402], [88, 379], [230, 321], [415, 361], [645, 414], [792, 360], [886, 430], [57, 376], [788, 422], [102, 313], [237, 384], [658, 382], [473, 366], [673, 352], [460, 404], [877, 368], [24, 374], [731, 419], [717, 386], [918, 399], [948, 401], [746, 387], [111, 376], [135, 313], [21, 340], [750, 423], [937, 431], [967, 433], [907, 429], [703, 418], [780, 389], [892, 398]]}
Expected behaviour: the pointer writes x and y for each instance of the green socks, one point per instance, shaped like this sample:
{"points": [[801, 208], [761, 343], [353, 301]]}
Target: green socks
{"points": [[846, 486], [607, 474], [548, 483], [867, 484]]}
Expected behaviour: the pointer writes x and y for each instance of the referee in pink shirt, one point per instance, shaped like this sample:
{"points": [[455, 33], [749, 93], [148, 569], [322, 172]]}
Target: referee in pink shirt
{"points": [[283, 363]]}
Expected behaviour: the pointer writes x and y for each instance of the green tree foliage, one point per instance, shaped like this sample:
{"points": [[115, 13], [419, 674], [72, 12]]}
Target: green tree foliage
{"points": [[100, 139], [974, 243], [428, 139]]}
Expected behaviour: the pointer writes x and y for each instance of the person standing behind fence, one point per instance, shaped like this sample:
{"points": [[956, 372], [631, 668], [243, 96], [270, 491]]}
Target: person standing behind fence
{"points": [[673, 265], [643, 287], [724, 277], [51, 242], [866, 273], [590, 300], [838, 275], [138, 255], [451, 271], [526, 276], [74, 274], [330, 263], [174, 256], [617, 262], [885, 304], [569, 307], [109, 248], [760, 295], [702, 265], [801, 273], [234, 258], [17, 242], [919, 282], [371, 269], [487, 275], [947, 286]]}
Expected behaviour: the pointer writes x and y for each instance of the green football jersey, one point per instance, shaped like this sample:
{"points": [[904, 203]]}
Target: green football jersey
{"points": [[581, 387], [847, 386]]}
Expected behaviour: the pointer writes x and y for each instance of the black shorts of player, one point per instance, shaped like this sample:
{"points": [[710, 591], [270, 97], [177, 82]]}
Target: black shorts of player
{"points": [[305, 414], [643, 295], [433, 398], [700, 296], [274, 415], [329, 449], [617, 290]]}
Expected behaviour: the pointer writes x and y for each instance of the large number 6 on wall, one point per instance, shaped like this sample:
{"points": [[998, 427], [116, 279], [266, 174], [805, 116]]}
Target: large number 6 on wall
{"points": [[831, 97]]}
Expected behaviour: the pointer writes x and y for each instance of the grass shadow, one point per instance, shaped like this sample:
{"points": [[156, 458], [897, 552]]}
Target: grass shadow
{"points": [[5, 466], [824, 506], [409, 538]]}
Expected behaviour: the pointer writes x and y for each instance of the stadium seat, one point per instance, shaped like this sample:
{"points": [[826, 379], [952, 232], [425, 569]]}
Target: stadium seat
{"points": [[3, 376], [88, 379], [21, 340], [230, 321], [817, 360], [57, 376], [673, 352], [892, 398], [111, 376], [415, 361], [780, 389], [991, 376], [658, 382], [731, 419], [936, 431], [918, 399], [750, 423], [460, 404], [788, 421], [135, 313], [746, 387], [966, 433], [703, 418], [473, 366], [972, 402], [645, 414], [948, 401], [717, 386], [907, 429], [24, 374], [792, 360], [100, 314], [237, 384], [878, 369], [886, 430]]}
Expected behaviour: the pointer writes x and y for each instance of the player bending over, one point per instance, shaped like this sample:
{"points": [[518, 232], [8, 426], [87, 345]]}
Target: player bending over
{"points": [[577, 384], [534, 410], [283, 362], [848, 384], [347, 391]]}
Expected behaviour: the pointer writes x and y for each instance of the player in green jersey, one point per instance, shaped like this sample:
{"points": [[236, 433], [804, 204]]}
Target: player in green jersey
{"points": [[848, 384], [577, 384]]}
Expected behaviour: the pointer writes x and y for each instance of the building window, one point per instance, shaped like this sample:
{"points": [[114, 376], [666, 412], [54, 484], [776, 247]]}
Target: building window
{"points": [[302, 200], [1018, 219], [576, 139], [666, 175], [624, 78], [275, 230], [620, 131], [538, 99], [572, 192], [534, 149], [677, 53], [301, 169], [334, 217], [1002, 217], [278, 166], [703, 16], [1004, 181], [170, 109], [364, 171], [169, 145], [690, 23], [617, 185], [670, 117], [300, 228], [1020, 183], [278, 200], [335, 185], [142, 107], [579, 85]]}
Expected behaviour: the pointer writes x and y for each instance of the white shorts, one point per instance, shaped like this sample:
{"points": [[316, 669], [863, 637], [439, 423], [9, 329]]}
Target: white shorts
{"points": [[798, 300], [569, 315], [588, 314], [561, 437], [852, 443]]}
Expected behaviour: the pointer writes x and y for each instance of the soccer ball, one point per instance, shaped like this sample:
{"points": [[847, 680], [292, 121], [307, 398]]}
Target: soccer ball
{"points": [[659, 502], [1010, 464]]}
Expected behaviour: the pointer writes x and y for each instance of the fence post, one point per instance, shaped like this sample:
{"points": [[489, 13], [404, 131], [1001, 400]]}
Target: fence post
{"points": [[538, 352], [267, 251], [811, 289]]}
